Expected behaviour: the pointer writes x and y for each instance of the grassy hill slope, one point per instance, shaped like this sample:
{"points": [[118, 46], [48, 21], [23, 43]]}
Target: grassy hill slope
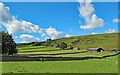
{"points": [[106, 41]]}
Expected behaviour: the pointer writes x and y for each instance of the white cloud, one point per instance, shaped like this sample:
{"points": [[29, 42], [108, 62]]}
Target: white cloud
{"points": [[44, 35], [5, 14], [23, 42], [53, 33], [92, 21], [29, 38], [110, 31], [16, 26], [86, 9], [116, 20], [13, 25], [93, 33], [68, 35]]}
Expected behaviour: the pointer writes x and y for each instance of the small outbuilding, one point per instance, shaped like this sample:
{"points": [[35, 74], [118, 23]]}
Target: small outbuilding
{"points": [[95, 49], [117, 51]]}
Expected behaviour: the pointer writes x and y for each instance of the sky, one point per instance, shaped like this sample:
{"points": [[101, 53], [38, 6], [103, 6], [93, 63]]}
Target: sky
{"points": [[38, 21]]}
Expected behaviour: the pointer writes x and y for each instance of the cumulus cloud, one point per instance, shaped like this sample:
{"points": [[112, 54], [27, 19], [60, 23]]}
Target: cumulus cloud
{"points": [[93, 22], [93, 33], [53, 33], [68, 35], [13, 25], [86, 11], [29, 38], [110, 31], [116, 20], [16, 26], [5, 14]]}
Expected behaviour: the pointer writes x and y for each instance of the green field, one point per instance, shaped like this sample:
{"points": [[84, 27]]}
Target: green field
{"points": [[107, 65], [29, 48], [104, 65], [49, 51]]}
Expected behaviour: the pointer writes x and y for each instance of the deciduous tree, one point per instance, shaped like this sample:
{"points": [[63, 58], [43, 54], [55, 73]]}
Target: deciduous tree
{"points": [[8, 44]]}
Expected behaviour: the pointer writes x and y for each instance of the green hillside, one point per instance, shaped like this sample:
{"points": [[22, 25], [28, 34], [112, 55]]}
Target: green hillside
{"points": [[105, 41]]}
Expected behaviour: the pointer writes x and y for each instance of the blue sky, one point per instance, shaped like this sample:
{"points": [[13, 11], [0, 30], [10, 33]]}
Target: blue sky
{"points": [[60, 19]]}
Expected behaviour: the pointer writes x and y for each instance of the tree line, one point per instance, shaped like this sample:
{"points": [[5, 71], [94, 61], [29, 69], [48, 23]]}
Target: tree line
{"points": [[52, 43]]}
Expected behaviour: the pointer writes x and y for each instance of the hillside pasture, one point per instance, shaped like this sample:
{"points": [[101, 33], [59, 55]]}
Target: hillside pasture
{"points": [[105, 41]]}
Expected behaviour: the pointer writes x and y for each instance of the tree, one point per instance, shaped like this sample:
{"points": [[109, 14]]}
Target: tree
{"points": [[8, 44], [78, 48], [57, 45], [63, 45], [48, 42], [71, 47]]}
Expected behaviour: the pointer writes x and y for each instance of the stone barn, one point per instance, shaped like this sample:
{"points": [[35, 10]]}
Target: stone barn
{"points": [[95, 50]]}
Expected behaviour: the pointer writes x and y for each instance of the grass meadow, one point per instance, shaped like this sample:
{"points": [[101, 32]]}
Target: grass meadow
{"points": [[105, 65]]}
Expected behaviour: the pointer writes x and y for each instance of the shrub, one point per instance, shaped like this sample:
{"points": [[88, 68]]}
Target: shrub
{"points": [[78, 48], [63, 45], [71, 47], [36, 44]]}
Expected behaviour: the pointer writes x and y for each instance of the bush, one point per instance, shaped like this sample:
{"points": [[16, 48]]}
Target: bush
{"points": [[36, 44], [71, 47], [56, 45], [78, 48], [63, 45]]}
